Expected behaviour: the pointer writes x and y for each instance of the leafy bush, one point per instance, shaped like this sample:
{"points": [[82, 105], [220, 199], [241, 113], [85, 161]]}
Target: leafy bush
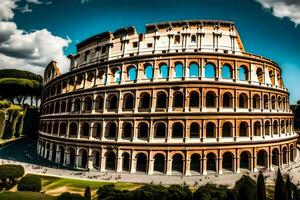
{"points": [[211, 191], [10, 171], [245, 188], [31, 183], [70, 196], [2, 122], [87, 193], [4, 104]]}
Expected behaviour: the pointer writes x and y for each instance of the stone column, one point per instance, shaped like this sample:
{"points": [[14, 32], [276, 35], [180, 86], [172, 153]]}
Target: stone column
{"points": [[133, 164], [150, 168], [220, 165], [119, 161], [204, 165], [102, 160], [169, 164], [187, 166]]}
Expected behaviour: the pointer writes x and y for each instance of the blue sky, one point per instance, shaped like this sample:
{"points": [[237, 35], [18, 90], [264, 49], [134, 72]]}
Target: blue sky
{"points": [[262, 30]]}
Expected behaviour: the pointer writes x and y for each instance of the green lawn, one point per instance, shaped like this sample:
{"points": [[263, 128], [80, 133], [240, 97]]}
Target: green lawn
{"points": [[55, 185], [25, 196]]}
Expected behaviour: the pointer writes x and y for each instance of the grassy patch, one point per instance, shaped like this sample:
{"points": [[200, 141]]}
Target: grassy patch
{"points": [[25, 196], [56, 185]]}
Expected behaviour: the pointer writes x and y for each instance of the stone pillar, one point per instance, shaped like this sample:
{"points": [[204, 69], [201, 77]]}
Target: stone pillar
{"points": [[220, 165], [169, 164], [252, 163], [204, 165], [150, 168], [102, 160], [269, 162], [119, 161], [133, 164], [187, 166]]}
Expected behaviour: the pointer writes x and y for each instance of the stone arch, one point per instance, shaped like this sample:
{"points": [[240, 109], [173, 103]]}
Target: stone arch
{"points": [[210, 70], [141, 162], [243, 131], [131, 73], [210, 130], [194, 70], [228, 159], [266, 101], [177, 163], [83, 158], [88, 104], [125, 161], [179, 70], [62, 129], [282, 127], [275, 127], [159, 163], [256, 101], [73, 129], [262, 158], [177, 130], [76, 105], [112, 102], [243, 73], [148, 71], [127, 130], [143, 130], [195, 165], [85, 129], [267, 128], [110, 161], [99, 102], [97, 130], [163, 70], [259, 75], [243, 100], [128, 101], [160, 130], [145, 100], [55, 128], [71, 157], [96, 159], [61, 150], [273, 99], [111, 130], [245, 160], [227, 100], [194, 99], [161, 100], [226, 71], [257, 129], [275, 157], [285, 155], [210, 99], [194, 130], [227, 129], [211, 162], [178, 99]]}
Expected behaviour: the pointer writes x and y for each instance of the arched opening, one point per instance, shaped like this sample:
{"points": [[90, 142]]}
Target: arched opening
{"points": [[275, 127], [228, 161], [177, 163], [292, 153], [69, 106], [178, 70], [193, 39], [226, 72], [259, 74], [227, 100], [210, 130], [282, 127], [128, 101], [262, 158], [256, 101], [161, 101], [194, 99], [85, 129], [194, 130], [89, 80], [148, 71], [117, 76], [127, 130], [141, 163], [164, 71], [177, 130], [227, 129], [243, 73], [111, 130], [53, 153], [143, 130], [243, 129], [62, 155], [178, 100], [245, 160], [110, 163], [76, 106], [159, 163], [160, 130], [71, 154], [63, 107], [266, 102], [112, 103], [55, 128], [125, 161], [267, 128], [57, 108], [62, 129], [210, 100], [257, 131], [210, 71], [243, 101], [273, 102], [284, 155], [211, 162], [99, 103], [97, 129], [49, 131], [194, 70], [145, 100], [83, 159], [96, 159], [131, 73], [73, 129], [275, 157], [195, 163]]}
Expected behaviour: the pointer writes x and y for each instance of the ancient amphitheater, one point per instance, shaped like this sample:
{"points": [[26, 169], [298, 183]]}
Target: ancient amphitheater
{"points": [[182, 98]]}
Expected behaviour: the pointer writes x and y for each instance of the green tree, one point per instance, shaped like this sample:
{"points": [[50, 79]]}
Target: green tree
{"points": [[87, 193], [70, 196], [261, 188], [31, 183], [211, 192], [289, 187], [280, 192], [177, 192], [245, 188]]}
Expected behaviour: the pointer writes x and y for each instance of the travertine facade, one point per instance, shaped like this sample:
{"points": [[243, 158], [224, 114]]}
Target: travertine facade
{"points": [[183, 98]]}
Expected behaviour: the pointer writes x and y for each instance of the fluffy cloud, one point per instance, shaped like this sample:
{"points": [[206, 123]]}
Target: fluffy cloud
{"points": [[283, 8], [29, 50], [6, 9]]}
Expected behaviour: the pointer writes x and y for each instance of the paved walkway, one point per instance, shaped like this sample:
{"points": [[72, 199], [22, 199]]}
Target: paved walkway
{"points": [[21, 153]]}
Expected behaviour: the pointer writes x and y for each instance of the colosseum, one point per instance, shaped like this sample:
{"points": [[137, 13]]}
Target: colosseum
{"points": [[182, 98]]}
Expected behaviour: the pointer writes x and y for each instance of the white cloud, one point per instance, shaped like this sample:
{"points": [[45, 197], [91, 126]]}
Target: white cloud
{"points": [[84, 1], [6, 9], [25, 9], [283, 8], [34, 1], [29, 50]]}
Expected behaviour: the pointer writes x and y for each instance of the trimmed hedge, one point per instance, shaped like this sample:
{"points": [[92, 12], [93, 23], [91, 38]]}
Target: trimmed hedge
{"points": [[31, 183], [10, 171], [15, 73], [2, 123], [70, 196]]}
